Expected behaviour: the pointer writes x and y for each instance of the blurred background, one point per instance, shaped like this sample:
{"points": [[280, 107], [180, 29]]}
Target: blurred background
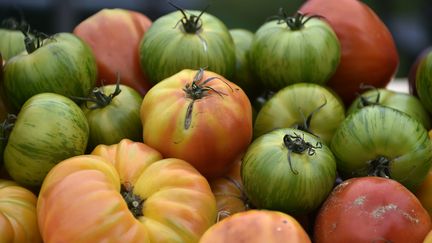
{"points": [[408, 21]]}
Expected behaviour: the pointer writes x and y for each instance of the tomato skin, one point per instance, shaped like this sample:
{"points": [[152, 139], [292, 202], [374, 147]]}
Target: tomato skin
{"points": [[371, 209], [220, 124], [412, 75], [377, 132], [81, 199], [117, 120], [114, 36], [48, 129], [167, 48], [64, 65], [424, 79], [17, 214], [281, 56], [256, 226], [424, 192], [276, 177], [369, 53], [11, 42]]}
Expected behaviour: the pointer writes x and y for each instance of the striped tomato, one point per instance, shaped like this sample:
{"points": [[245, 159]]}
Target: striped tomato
{"points": [[198, 116], [187, 39], [294, 49], [48, 129], [64, 64]]}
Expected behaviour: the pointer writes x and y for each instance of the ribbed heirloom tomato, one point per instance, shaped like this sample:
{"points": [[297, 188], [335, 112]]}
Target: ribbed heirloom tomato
{"points": [[198, 116], [124, 192]]}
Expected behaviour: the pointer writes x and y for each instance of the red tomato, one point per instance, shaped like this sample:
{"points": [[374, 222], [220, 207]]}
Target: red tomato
{"points": [[114, 36], [371, 209], [369, 54]]}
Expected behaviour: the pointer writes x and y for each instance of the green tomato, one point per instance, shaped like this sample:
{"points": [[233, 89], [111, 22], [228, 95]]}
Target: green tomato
{"points": [[187, 40], [113, 114], [11, 43], [48, 129], [306, 106], [293, 50], [64, 64], [383, 141], [400, 101], [288, 170], [423, 81]]}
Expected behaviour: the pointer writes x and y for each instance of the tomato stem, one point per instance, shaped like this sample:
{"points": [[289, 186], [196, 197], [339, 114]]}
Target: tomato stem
{"points": [[192, 23], [134, 202], [197, 90], [365, 101], [6, 126], [305, 126], [380, 166], [296, 144], [295, 22]]}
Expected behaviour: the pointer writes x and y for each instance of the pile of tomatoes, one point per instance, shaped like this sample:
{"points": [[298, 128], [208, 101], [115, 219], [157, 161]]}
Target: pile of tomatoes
{"points": [[182, 130]]}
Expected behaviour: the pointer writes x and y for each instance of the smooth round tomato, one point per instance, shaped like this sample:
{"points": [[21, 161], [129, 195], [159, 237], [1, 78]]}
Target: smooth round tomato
{"points": [[371, 209], [368, 51], [401, 101], [124, 193], [306, 106], [48, 129], [18, 223], [382, 141], [256, 226], [64, 64], [198, 116], [113, 113], [294, 49], [187, 39], [288, 170], [114, 36], [412, 75]]}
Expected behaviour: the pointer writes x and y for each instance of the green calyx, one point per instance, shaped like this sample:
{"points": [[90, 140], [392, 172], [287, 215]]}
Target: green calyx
{"points": [[191, 24], [295, 22]]}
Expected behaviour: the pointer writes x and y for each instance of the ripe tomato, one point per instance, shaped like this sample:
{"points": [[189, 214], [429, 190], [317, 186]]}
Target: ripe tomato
{"points": [[369, 53], [371, 209], [257, 226], [198, 116], [124, 193], [114, 36]]}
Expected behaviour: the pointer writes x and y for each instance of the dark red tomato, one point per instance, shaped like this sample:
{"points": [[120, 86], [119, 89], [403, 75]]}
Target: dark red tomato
{"points": [[413, 71], [371, 209], [369, 53], [114, 36]]}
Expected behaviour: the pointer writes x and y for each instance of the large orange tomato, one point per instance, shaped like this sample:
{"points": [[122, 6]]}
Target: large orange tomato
{"points": [[198, 116], [369, 53], [124, 192], [18, 223], [256, 226], [229, 193], [371, 209], [114, 36]]}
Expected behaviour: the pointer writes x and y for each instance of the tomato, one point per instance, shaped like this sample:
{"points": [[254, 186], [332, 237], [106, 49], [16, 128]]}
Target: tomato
{"points": [[114, 36], [305, 106], [11, 38], [229, 193], [48, 129], [64, 64], [124, 192], [17, 214], [243, 75], [428, 238], [294, 49], [413, 71], [187, 39], [368, 51], [401, 101], [378, 140], [288, 170], [424, 192], [113, 113], [198, 116], [424, 80], [371, 209], [257, 226]]}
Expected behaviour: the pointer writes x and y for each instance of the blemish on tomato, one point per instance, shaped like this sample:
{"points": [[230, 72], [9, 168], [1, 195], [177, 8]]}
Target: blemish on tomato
{"points": [[359, 200]]}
